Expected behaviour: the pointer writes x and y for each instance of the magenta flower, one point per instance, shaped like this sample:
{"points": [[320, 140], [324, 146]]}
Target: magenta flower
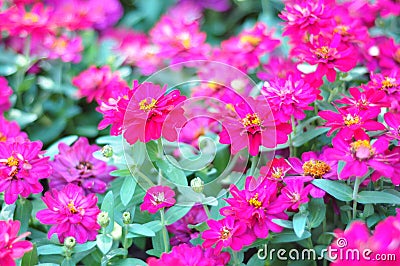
{"points": [[254, 127], [5, 93], [98, 83], [77, 165], [227, 233], [156, 198], [347, 121], [294, 193], [278, 67], [289, 97], [70, 213], [65, 48], [10, 131], [369, 99], [359, 154], [186, 255], [257, 205], [393, 121], [152, 114], [276, 169], [389, 57], [327, 54], [305, 17], [21, 166], [12, 246], [182, 233]]}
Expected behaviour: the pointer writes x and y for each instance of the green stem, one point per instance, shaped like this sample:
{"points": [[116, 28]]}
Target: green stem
{"points": [[292, 148], [355, 193], [161, 156], [235, 258], [254, 162], [311, 246], [207, 210], [164, 231], [125, 243]]}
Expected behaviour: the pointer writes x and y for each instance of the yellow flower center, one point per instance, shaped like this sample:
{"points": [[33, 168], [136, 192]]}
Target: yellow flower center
{"points": [[251, 120], [59, 44], [254, 201], [254, 41], [277, 173], [322, 52], [145, 106], [350, 120], [230, 107], [388, 83], [213, 85], [12, 161], [3, 137], [362, 149], [225, 233], [158, 198], [185, 40], [341, 29], [315, 168], [71, 207], [31, 17]]}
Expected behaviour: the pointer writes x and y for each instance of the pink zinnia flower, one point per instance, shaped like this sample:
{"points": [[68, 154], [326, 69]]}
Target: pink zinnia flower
{"points": [[257, 205], [10, 131], [278, 67], [368, 99], [71, 213], [5, 93], [152, 113], [388, 7], [289, 97], [186, 255], [327, 54], [305, 17], [294, 193], [254, 127], [65, 48], [98, 83], [182, 233], [156, 198], [359, 154], [393, 121], [12, 246], [389, 57], [77, 165], [21, 166], [347, 121], [227, 233], [276, 169]]}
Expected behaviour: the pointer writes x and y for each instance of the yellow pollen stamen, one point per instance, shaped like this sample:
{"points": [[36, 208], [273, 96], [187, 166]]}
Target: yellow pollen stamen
{"points": [[350, 120], [147, 106], [158, 198], [388, 83], [254, 201], [362, 149], [213, 85], [225, 233], [12, 161], [59, 44], [277, 173], [3, 137], [71, 207], [322, 52], [251, 120], [31, 17], [315, 168], [230, 107], [254, 41], [341, 29]]}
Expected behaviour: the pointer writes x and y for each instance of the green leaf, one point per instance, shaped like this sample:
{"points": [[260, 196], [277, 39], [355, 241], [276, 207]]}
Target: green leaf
{"points": [[23, 213], [121, 172], [104, 242], [68, 262], [199, 227], [286, 237], [7, 211], [158, 244], [154, 226], [130, 262], [317, 211], [127, 190], [283, 223], [50, 249], [299, 223], [137, 230], [337, 189], [108, 206], [172, 173], [30, 258], [368, 210], [373, 197], [84, 247], [23, 118], [175, 213], [152, 150], [305, 137], [53, 149]]}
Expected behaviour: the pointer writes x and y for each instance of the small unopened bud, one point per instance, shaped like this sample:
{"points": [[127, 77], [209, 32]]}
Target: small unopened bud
{"points": [[69, 242], [102, 219], [197, 184], [126, 217], [107, 151]]}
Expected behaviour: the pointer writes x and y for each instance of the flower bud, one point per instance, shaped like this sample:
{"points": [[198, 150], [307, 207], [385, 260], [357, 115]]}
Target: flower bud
{"points": [[126, 217], [197, 184], [69, 242], [107, 151], [102, 219]]}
